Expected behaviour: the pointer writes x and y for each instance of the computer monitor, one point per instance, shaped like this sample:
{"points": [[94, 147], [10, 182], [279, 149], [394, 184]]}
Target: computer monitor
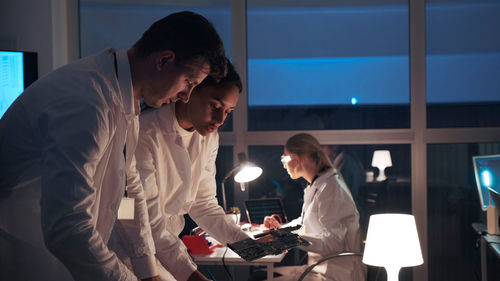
{"points": [[487, 174], [17, 71], [257, 209]]}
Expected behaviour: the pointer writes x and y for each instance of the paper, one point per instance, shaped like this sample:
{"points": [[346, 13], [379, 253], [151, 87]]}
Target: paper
{"points": [[126, 209]]}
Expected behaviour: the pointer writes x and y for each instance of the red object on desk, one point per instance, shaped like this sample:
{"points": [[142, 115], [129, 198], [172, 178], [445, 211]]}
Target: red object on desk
{"points": [[198, 244]]}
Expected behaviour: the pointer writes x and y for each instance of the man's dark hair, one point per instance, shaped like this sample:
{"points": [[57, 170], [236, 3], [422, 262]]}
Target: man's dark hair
{"points": [[231, 78], [190, 36]]}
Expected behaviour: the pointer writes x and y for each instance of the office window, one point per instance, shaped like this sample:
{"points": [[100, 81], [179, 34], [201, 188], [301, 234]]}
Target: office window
{"points": [[463, 63], [333, 65], [453, 205]]}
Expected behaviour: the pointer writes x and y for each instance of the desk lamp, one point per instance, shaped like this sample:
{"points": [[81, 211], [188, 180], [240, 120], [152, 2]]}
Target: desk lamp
{"points": [[243, 173], [381, 160], [392, 242]]}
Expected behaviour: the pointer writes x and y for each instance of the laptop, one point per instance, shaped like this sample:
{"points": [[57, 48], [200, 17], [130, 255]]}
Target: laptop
{"points": [[257, 209]]}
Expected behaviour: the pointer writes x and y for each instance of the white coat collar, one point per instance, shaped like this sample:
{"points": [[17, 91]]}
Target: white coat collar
{"points": [[325, 174], [311, 189], [125, 83]]}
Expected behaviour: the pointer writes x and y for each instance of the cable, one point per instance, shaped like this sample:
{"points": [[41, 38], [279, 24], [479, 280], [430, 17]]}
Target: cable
{"points": [[211, 275], [225, 266], [278, 218]]}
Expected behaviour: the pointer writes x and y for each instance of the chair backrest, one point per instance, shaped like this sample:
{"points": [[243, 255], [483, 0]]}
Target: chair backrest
{"points": [[322, 260]]}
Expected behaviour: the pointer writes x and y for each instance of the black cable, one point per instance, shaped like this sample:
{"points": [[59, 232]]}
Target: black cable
{"points": [[225, 266]]}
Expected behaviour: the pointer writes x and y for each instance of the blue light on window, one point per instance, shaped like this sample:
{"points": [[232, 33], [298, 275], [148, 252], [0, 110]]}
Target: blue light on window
{"points": [[354, 100]]}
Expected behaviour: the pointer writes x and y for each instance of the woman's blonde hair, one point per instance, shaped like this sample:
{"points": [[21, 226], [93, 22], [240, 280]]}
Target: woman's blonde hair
{"points": [[305, 144]]}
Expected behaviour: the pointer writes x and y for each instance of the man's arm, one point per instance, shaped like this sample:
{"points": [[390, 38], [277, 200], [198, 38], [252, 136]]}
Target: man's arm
{"points": [[170, 250], [206, 211], [75, 136]]}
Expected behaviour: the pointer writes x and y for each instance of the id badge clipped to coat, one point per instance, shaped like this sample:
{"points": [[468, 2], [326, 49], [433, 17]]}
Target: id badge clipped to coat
{"points": [[126, 209]]}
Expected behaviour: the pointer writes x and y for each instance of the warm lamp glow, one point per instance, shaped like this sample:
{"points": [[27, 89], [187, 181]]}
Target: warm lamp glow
{"points": [[243, 173], [392, 242], [247, 173], [381, 160]]}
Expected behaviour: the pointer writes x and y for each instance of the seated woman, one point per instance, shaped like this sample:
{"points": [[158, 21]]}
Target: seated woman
{"points": [[330, 220]]}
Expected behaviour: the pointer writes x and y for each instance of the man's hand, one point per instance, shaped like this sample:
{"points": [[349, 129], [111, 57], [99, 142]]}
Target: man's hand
{"points": [[154, 278], [271, 222], [197, 276]]}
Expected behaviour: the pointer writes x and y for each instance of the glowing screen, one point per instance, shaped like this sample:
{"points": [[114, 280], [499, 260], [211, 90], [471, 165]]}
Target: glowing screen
{"points": [[487, 172], [11, 78]]}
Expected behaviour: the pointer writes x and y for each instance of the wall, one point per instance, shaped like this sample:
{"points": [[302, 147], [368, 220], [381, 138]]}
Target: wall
{"points": [[48, 27], [27, 25]]}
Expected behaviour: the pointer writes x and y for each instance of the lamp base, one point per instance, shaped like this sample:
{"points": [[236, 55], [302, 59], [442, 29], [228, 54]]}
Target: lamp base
{"points": [[381, 174], [392, 273]]}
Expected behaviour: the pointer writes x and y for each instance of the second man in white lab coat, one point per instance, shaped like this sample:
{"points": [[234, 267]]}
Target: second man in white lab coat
{"points": [[176, 154]]}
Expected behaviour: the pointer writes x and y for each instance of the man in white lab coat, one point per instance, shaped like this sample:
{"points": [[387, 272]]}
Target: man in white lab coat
{"points": [[67, 152], [176, 155]]}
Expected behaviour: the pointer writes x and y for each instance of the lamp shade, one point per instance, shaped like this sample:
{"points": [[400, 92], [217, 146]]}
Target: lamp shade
{"points": [[381, 158], [248, 172], [392, 241], [243, 173]]}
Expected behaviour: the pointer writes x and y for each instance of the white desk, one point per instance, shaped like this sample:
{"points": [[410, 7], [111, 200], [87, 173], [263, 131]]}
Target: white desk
{"points": [[232, 258]]}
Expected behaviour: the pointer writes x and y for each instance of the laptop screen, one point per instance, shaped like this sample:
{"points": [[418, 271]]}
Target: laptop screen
{"points": [[257, 209], [487, 173]]}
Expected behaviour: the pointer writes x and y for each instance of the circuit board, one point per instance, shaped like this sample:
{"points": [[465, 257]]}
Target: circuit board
{"points": [[283, 239]]}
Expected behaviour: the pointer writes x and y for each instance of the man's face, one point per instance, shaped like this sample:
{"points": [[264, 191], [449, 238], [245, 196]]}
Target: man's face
{"points": [[209, 107], [172, 82]]}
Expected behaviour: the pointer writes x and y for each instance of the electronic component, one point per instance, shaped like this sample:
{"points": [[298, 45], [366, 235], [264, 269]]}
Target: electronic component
{"points": [[283, 239]]}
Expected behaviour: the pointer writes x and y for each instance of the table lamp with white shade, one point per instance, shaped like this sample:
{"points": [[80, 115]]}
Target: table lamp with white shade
{"points": [[381, 159], [244, 172], [392, 242]]}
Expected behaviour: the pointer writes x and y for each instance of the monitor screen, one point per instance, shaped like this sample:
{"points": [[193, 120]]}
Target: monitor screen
{"points": [[257, 209], [487, 173], [17, 71]]}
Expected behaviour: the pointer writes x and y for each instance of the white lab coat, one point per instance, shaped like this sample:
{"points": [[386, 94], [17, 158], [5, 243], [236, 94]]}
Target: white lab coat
{"points": [[62, 175], [179, 180], [330, 222]]}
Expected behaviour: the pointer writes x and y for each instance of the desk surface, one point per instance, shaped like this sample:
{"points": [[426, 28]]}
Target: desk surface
{"points": [[494, 242], [233, 259]]}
